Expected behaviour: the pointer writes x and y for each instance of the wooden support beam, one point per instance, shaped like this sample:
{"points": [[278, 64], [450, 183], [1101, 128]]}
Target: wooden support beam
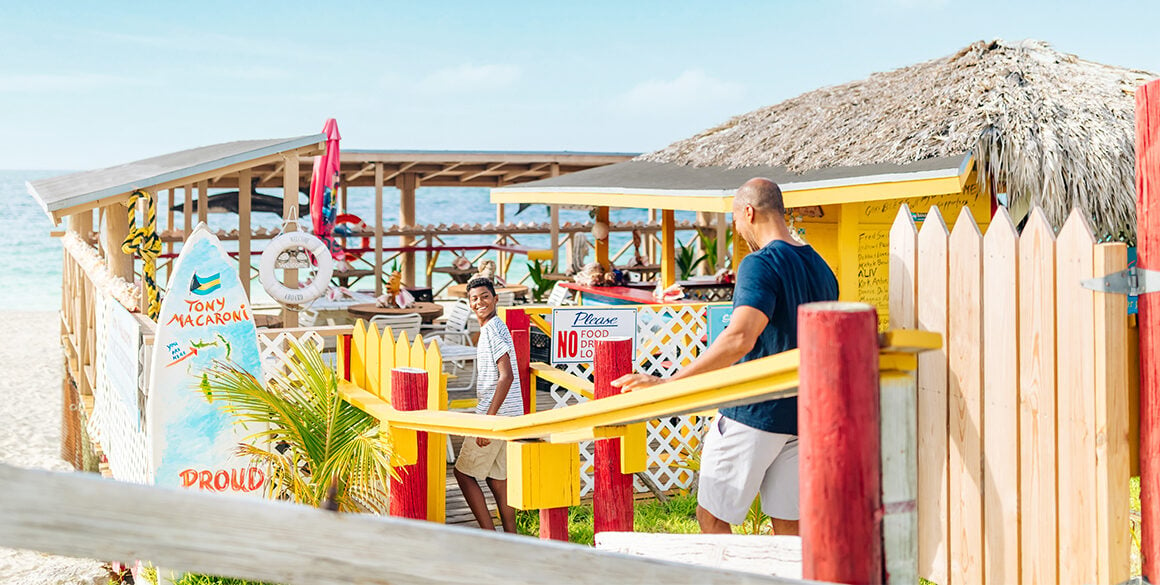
{"points": [[116, 230], [668, 248], [290, 210], [187, 213], [350, 179], [245, 190], [407, 184], [612, 495], [841, 473], [488, 169], [722, 241], [409, 491], [601, 244], [203, 201], [532, 169], [279, 168], [399, 171], [554, 210], [1148, 242], [378, 229], [443, 171]]}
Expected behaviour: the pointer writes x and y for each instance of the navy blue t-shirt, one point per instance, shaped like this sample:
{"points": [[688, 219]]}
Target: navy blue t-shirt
{"points": [[775, 280]]}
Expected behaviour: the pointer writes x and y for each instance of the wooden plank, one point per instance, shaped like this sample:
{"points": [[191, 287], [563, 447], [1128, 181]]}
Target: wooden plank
{"points": [[378, 229], [358, 356], [903, 270], [898, 437], [669, 247], [1037, 496], [203, 199], [374, 372], [187, 213], [82, 516], [770, 555], [1001, 400], [245, 267], [407, 183], [289, 211], [1148, 249], [965, 393], [1113, 447], [1075, 380], [933, 537]]}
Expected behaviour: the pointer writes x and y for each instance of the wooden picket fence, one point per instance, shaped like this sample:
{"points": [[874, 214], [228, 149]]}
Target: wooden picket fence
{"points": [[1023, 434], [367, 361]]}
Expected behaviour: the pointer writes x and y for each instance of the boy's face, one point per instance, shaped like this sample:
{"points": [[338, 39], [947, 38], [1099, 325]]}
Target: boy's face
{"points": [[482, 302]]}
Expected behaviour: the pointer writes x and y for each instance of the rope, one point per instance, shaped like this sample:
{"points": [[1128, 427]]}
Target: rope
{"points": [[145, 243]]}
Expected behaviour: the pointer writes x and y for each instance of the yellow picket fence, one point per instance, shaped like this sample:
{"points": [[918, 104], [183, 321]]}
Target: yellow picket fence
{"points": [[371, 358], [1023, 432]]}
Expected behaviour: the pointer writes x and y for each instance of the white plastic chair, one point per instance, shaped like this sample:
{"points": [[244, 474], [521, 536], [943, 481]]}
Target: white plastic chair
{"points": [[456, 345], [505, 299], [409, 323]]}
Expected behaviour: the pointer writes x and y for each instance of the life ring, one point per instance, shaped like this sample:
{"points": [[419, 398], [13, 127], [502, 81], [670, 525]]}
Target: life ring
{"points": [[283, 246], [360, 225]]}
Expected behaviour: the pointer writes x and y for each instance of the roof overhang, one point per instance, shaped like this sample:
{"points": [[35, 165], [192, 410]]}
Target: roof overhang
{"points": [[650, 185], [77, 192]]}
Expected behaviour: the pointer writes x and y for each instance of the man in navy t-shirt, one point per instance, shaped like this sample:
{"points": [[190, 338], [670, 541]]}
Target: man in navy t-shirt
{"points": [[752, 448]]}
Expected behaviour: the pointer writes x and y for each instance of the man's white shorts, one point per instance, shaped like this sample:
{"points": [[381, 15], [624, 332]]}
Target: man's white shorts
{"points": [[738, 461]]}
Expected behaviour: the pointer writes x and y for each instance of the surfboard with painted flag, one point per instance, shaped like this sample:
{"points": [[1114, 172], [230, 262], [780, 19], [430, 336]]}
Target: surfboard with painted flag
{"points": [[205, 316]]}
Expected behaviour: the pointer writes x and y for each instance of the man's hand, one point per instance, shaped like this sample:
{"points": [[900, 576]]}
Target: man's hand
{"points": [[482, 442], [630, 382]]}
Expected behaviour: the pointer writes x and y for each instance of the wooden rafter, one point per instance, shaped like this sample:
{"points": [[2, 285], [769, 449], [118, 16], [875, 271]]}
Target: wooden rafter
{"points": [[402, 168], [530, 170], [274, 173], [446, 169], [488, 169], [367, 168]]}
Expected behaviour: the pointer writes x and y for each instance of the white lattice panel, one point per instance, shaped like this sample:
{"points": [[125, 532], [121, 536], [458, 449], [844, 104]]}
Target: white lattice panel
{"points": [[669, 337], [275, 352], [116, 423]]}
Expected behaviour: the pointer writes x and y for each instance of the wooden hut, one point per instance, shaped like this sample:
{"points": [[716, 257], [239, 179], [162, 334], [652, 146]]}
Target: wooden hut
{"points": [[996, 123]]}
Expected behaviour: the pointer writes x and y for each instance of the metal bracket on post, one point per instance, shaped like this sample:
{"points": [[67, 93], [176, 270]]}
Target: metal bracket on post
{"points": [[1133, 281]]}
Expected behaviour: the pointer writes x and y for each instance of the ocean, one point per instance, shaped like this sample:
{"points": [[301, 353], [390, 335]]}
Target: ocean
{"points": [[30, 258]]}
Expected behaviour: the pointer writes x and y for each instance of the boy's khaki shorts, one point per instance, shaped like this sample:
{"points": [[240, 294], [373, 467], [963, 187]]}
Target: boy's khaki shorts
{"points": [[483, 462]]}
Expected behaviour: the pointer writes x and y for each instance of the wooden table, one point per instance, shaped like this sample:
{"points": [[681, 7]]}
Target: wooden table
{"points": [[427, 311], [460, 290]]}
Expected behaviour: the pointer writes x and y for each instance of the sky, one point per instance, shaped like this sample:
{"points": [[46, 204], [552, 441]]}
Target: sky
{"points": [[93, 84]]}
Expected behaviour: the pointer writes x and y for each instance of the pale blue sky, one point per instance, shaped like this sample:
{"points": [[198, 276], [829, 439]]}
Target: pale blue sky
{"points": [[88, 84]]}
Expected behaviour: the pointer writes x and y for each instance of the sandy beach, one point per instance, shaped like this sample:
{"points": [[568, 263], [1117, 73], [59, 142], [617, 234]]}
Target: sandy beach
{"points": [[30, 404]]}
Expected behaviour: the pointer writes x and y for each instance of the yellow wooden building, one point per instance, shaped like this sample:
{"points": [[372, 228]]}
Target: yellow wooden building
{"points": [[844, 212]]}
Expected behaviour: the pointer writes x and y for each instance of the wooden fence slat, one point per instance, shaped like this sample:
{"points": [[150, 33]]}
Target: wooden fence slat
{"points": [[1001, 400], [403, 351], [374, 373], [358, 345], [933, 538], [436, 443], [387, 361], [1113, 468], [964, 393], [899, 416], [1075, 401], [903, 270], [1038, 539], [418, 355]]}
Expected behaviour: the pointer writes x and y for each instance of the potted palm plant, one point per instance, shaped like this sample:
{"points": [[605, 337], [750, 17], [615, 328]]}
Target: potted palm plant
{"points": [[318, 449]]}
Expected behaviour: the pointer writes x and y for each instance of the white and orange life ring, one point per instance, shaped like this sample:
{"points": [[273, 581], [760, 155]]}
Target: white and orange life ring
{"points": [[357, 224]]}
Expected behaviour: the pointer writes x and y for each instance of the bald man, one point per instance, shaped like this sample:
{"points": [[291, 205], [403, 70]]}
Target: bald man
{"points": [[752, 448]]}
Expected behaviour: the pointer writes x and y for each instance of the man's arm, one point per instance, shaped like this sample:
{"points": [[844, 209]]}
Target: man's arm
{"points": [[745, 326]]}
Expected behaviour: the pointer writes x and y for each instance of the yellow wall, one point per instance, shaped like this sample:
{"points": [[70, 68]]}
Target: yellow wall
{"points": [[854, 238]]}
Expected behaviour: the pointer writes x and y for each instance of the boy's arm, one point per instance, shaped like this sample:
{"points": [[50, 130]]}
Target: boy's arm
{"points": [[502, 386]]}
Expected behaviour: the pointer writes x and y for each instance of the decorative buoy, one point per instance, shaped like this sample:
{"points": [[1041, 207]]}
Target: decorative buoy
{"points": [[286, 252]]}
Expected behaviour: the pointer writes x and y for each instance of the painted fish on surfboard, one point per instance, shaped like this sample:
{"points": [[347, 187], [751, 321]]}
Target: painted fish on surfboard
{"points": [[205, 317]]}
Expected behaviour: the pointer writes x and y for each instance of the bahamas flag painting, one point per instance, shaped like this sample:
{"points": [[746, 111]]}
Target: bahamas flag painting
{"points": [[205, 284]]}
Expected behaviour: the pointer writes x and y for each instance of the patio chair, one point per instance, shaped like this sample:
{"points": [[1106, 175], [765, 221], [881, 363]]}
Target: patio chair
{"points": [[506, 299], [410, 323], [560, 296], [456, 345]]}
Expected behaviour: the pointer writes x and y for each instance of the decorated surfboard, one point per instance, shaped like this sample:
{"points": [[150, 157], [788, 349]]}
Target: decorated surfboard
{"points": [[205, 317]]}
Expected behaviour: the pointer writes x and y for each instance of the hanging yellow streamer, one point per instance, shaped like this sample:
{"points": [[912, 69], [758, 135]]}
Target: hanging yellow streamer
{"points": [[145, 243]]}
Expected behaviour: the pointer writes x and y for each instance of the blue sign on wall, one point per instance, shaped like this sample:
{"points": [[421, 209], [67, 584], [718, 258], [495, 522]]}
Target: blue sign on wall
{"points": [[718, 318]]}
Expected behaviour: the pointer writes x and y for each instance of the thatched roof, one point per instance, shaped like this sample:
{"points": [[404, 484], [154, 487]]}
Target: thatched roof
{"points": [[1049, 128]]}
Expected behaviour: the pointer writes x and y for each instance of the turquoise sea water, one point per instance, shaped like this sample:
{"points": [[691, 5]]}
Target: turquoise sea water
{"points": [[30, 259]]}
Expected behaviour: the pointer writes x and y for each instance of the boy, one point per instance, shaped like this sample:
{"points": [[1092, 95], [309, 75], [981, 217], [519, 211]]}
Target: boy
{"points": [[498, 389]]}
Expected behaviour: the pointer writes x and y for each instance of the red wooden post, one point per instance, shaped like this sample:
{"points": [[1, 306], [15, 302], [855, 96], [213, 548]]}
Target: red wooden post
{"points": [[612, 497], [1148, 257], [520, 325], [409, 493], [841, 472], [345, 340], [554, 524]]}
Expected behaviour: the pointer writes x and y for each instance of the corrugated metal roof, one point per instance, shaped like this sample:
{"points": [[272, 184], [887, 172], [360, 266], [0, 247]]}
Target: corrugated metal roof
{"points": [[83, 188]]}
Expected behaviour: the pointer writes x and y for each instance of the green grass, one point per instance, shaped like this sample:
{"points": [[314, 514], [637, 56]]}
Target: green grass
{"points": [[677, 516], [150, 576]]}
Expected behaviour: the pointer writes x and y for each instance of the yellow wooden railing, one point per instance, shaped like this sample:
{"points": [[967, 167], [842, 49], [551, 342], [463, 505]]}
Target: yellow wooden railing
{"points": [[547, 440]]}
